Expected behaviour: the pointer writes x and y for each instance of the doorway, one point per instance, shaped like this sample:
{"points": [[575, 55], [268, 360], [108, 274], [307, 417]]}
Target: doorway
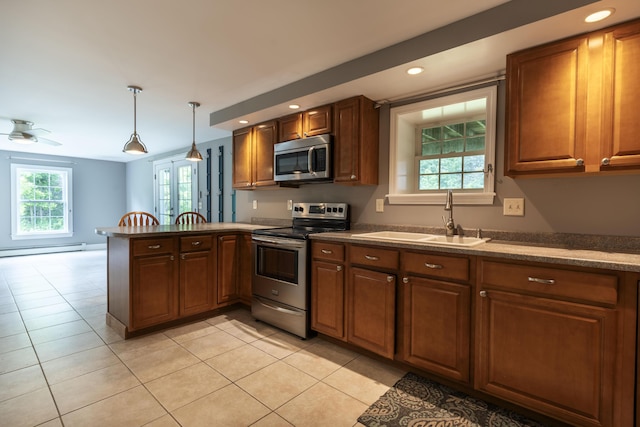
{"points": [[175, 188]]}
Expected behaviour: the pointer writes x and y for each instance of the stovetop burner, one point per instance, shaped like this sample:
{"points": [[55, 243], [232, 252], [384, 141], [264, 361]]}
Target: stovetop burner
{"points": [[309, 218]]}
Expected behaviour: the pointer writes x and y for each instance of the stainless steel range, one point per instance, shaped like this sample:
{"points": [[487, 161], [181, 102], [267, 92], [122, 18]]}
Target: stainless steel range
{"points": [[281, 277]]}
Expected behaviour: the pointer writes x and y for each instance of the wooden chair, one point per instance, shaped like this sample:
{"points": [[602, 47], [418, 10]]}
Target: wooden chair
{"points": [[190, 218], [136, 218]]}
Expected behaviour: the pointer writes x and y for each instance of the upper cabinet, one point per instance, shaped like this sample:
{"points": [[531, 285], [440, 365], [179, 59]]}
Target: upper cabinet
{"points": [[356, 141], [253, 156], [316, 121], [570, 104]]}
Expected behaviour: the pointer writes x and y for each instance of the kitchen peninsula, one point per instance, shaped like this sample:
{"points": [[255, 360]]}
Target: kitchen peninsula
{"points": [[163, 275]]}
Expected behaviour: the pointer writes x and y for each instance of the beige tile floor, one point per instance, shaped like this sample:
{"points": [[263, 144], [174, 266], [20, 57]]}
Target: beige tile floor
{"points": [[60, 365]]}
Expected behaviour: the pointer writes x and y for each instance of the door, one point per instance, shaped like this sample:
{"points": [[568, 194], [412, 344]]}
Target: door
{"points": [[176, 188]]}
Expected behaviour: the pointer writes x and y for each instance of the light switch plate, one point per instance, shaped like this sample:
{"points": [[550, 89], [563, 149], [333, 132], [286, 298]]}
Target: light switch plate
{"points": [[513, 207], [289, 205], [379, 205], [255, 204]]}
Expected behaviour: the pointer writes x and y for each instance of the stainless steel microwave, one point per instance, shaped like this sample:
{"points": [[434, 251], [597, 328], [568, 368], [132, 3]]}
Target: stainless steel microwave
{"points": [[303, 160]]}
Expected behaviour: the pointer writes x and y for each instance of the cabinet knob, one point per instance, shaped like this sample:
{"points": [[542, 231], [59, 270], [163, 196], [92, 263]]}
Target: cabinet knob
{"points": [[353, 177], [339, 268], [483, 294], [390, 279], [605, 162], [183, 257], [405, 280], [172, 258], [579, 162], [306, 134]]}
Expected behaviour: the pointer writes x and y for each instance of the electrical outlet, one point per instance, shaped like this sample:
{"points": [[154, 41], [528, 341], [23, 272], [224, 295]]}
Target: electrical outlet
{"points": [[379, 205], [289, 205], [513, 207], [255, 204]]}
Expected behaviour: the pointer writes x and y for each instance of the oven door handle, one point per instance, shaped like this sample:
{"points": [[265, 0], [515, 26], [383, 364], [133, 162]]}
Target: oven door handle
{"points": [[286, 244], [280, 309]]}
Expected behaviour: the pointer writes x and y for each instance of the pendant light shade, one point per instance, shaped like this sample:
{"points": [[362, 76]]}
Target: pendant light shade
{"points": [[193, 154], [134, 145]]}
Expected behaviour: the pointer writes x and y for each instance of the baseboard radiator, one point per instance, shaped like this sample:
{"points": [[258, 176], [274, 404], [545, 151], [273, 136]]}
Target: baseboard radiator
{"points": [[36, 250]]}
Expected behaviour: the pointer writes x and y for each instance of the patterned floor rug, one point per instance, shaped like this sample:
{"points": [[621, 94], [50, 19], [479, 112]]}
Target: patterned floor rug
{"points": [[417, 402]]}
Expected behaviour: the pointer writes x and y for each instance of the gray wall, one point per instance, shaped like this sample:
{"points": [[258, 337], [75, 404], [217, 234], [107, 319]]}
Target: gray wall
{"points": [[98, 197], [140, 179], [601, 205]]}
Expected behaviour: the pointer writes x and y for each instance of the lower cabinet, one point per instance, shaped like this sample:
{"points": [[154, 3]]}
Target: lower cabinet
{"points": [[327, 289], [245, 264], [197, 274], [227, 289], [154, 295], [371, 302]]}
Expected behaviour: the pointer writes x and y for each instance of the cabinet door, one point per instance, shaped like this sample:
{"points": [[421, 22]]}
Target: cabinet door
{"points": [[227, 284], [242, 159], [371, 312], [196, 282], [264, 136], [317, 121], [290, 127], [547, 108], [436, 326], [246, 268], [327, 298], [621, 127], [154, 291], [555, 357]]}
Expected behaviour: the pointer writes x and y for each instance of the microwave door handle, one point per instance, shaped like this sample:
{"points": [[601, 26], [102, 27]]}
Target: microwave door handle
{"points": [[310, 160]]}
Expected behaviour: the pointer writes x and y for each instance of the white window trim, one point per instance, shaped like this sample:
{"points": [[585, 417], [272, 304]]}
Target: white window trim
{"points": [[485, 197], [68, 189]]}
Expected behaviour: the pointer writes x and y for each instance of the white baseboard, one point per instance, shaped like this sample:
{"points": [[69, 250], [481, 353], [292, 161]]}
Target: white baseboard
{"points": [[52, 249]]}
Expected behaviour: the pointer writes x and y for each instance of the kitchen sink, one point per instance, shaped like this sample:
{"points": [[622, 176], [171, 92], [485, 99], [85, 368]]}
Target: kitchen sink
{"points": [[398, 235], [424, 238]]}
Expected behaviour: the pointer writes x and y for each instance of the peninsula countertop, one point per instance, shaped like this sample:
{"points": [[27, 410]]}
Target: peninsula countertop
{"points": [[166, 230]]}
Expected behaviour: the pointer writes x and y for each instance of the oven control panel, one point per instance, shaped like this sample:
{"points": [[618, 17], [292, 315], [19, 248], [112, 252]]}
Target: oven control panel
{"points": [[321, 210]]}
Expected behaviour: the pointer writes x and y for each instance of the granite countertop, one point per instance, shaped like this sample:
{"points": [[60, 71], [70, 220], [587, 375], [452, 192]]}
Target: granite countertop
{"points": [[164, 230], [507, 249]]}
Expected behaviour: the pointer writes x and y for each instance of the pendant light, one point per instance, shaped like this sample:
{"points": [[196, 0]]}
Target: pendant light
{"points": [[134, 145], [193, 154]]}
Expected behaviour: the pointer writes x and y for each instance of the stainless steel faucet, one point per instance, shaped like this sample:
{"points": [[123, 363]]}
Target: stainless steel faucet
{"points": [[449, 226]]}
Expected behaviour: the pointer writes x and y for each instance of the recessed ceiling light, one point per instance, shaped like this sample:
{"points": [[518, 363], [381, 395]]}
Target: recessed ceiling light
{"points": [[415, 70], [599, 15], [243, 122], [294, 106]]}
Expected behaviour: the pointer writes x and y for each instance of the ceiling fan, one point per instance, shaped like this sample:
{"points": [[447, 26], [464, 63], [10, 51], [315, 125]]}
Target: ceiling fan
{"points": [[24, 133]]}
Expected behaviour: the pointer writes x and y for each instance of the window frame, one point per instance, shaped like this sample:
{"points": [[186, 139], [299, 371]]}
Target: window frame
{"points": [[67, 190], [403, 173]]}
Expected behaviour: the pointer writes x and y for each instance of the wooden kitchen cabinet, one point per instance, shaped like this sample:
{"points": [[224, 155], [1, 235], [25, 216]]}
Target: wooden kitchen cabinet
{"points": [[570, 105], [253, 156], [327, 289], [197, 274], [245, 263], [316, 121], [356, 141], [555, 340], [154, 275], [436, 314], [227, 289]]}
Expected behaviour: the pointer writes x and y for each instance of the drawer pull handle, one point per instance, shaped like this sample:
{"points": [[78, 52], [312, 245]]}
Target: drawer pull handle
{"points": [[483, 294], [405, 280], [154, 246], [543, 281], [196, 243], [390, 279], [183, 257], [371, 257], [434, 266], [327, 251]]}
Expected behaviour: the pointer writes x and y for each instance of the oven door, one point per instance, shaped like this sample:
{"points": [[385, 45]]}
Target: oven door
{"points": [[279, 270]]}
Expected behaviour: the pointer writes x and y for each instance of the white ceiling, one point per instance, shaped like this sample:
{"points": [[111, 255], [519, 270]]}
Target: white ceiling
{"points": [[67, 63]]}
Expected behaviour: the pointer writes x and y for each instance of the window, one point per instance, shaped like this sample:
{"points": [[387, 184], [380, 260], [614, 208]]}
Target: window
{"points": [[40, 202], [443, 143], [176, 188]]}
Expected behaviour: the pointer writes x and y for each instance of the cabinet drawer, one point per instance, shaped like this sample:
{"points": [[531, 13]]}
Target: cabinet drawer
{"points": [[164, 245], [196, 243], [374, 257], [446, 267], [327, 251], [555, 282]]}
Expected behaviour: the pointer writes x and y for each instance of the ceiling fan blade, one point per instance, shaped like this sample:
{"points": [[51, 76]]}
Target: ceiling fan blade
{"points": [[49, 142], [39, 131]]}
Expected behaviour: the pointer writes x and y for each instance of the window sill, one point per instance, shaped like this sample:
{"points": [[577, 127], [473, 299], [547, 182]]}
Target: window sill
{"points": [[440, 198], [40, 236]]}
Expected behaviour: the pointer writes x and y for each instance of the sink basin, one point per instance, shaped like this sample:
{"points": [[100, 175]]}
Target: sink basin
{"points": [[425, 238], [458, 240], [398, 235]]}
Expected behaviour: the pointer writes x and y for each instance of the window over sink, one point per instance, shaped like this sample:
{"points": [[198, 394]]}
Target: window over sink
{"points": [[444, 143]]}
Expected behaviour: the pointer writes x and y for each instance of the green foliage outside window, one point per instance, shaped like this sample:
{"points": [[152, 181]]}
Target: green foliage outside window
{"points": [[41, 203]]}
